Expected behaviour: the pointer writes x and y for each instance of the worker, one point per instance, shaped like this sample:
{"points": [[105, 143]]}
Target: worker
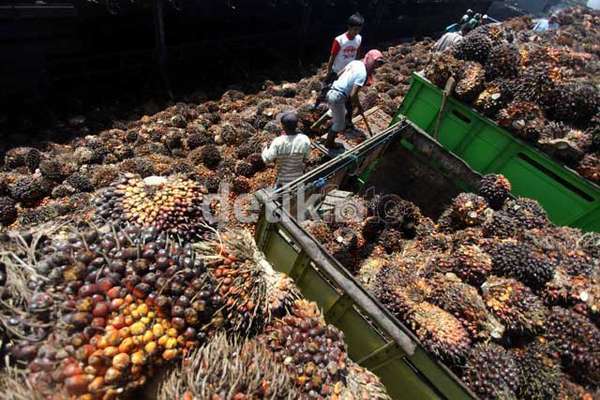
{"points": [[475, 21], [344, 50], [545, 24], [288, 151], [467, 17], [346, 87], [455, 27], [450, 39]]}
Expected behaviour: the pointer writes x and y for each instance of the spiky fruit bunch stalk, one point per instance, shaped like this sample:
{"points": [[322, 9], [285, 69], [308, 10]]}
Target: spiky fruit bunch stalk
{"points": [[441, 68], [439, 331], [361, 384], [174, 205], [495, 189], [580, 292], [464, 302], [313, 352], [232, 369], [469, 209], [514, 305], [578, 343], [523, 118], [492, 372], [539, 372], [495, 96], [522, 261]]}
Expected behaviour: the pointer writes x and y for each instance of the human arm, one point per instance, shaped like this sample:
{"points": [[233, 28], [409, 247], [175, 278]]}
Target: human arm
{"points": [[335, 49], [269, 154]]}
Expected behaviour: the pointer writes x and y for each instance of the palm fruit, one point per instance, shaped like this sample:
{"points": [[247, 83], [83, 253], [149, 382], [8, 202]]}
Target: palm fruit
{"points": [[362, 384], [22, 157], [30, 189], [491, 372], [138, 165], [502, 62], [573, 102], [589, 167], [198, 139], [524, 118], [578, 343], [537, 84], [174, 204], [38, 215], [232, 368], [441, 68], [371, 228], [470, 82], [501, 226], [471, 264], [210, 156], [241, 185], [244, 169], [514, 305], [495, 189], [439, 331], [539, 372], [319, 229], [495, 96], [473, 47], [391, 240], [464, 302], [54, 170], [256, 161], [212, 183], [469, 209], [572, 391], [527, 212], [313, 352], [80, 182], [590, 244], [368, 271], [523, 262], [8, 211], [580, 292], [495, 32]]}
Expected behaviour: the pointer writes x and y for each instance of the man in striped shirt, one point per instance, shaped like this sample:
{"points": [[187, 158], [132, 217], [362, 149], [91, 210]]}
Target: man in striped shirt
{"points": [[289, 151]]}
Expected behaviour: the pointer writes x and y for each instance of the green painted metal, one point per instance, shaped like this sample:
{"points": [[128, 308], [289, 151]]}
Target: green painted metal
{"points": [[568, 198]]}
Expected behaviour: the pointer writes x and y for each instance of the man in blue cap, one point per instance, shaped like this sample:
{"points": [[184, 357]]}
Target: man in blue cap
{"points": [[288, 151]]}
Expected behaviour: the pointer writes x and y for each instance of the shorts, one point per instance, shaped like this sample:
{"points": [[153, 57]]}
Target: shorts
{"points": [[337, 104]]}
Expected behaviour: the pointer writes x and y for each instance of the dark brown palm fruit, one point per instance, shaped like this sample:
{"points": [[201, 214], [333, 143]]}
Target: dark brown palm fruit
{"points": [[138, 165], [245, 169], [314, 352], [501, 226], [371, 228], [473, 47], [8, 211], [502, 62], [54, 170], [39, 215], [320, 230], [553, 130], [210, 156], [471, 82], [441, 68], [80, 182], [447, 221], [30, 189], [574, 103], [61, 191], [467, 237], [537, 84], [469, 209], [464, 302], [580, 293], [470, 263], [539, 372], [391, 240], [578, 343], [590, 244], [362, 384], [368, 271], [513, 303], [523, 118], [589, 167], [491, 372], [522, 261], [439, 331], [256, 160], [212, 183], [495, 96], [343, 253], [528, 213], [570, 390], [245, 149], [22, 157], [242, 369], [495, 189], [241, 185]]}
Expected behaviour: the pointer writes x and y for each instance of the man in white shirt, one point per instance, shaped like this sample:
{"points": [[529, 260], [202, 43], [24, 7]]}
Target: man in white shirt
{"points": [[450, 39], [346, 87], [345, 46], [289, 151]]}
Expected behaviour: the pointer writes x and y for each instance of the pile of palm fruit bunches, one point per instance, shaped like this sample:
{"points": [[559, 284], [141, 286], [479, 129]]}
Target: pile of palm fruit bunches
{"points": [[541, 86], [507, 300], [95, 308]]}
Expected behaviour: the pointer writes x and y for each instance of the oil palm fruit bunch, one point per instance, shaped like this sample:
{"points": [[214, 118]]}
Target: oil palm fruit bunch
{"points": [[439, 331], [573, 102], [22, 157], [580, 292], [441, 68], [229, 369], [523, 118], [30, 189], [174, 205], [502, 62], [492, 372], [539, 371], [368, 271], [362, 384], [578, 343], [495, 96], [313, 352], [528, 213], [470, 82], [514, 305], [471, 263], [589, 167], [468, 209], [523, 262], [495, 189], [537, 84], [500, 225], [473, 47], [464, 302], [391, 240], [8, 211]]}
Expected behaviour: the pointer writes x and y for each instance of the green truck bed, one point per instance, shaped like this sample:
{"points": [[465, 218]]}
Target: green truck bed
{"points": [[568, 198], [375, 338]]}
